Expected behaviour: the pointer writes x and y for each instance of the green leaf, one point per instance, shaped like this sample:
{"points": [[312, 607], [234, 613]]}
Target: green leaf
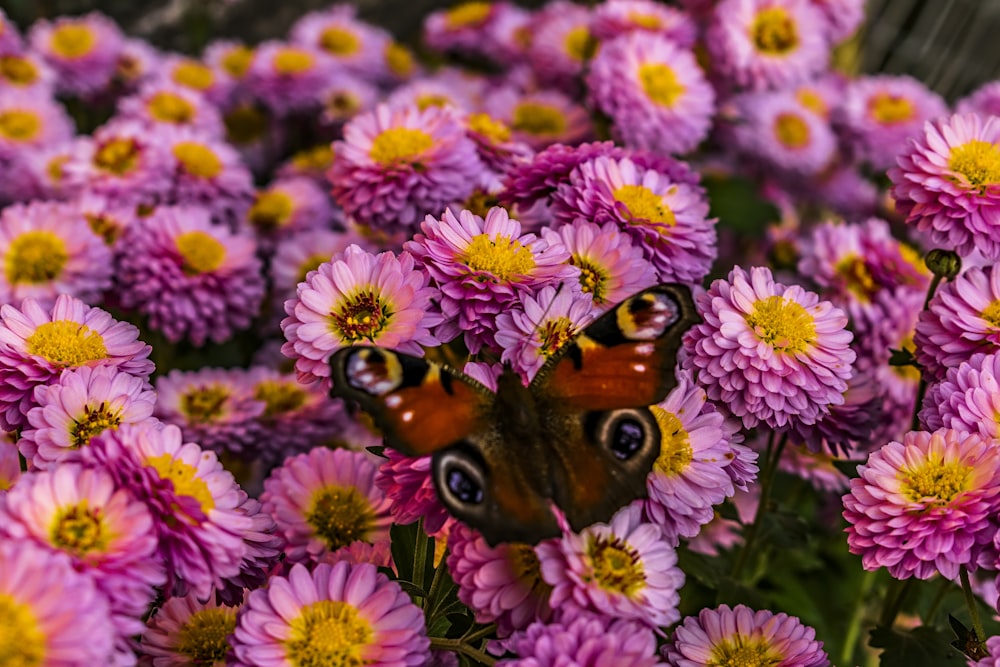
{"points": [[920, 647], [704, 569], [902, 357], [737, 204], [784, 530]]}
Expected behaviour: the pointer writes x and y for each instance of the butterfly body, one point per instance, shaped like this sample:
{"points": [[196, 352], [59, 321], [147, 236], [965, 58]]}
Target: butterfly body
{"points": [[579, 436]]}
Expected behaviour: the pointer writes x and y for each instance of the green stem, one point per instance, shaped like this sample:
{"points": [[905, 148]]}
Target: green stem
{"points": [[857, 617], [942, 590], [479, 634], [432, 602], [894, 598], [768, 471], [460, 647], [922, 387], [970, 603], [419, 556]]}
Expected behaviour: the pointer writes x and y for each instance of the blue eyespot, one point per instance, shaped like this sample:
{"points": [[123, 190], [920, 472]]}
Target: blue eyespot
{"points": [[463, 486], [627, 438]]}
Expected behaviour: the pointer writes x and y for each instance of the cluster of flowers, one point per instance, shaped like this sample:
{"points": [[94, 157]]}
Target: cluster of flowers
{"points": [[328, 190]]}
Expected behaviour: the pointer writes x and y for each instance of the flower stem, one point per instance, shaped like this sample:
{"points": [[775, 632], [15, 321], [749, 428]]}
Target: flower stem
{"points": [[419, 556], [460, 647], [895, 595], [768, 471], [857, 617], [970, 604], [922, 387]]}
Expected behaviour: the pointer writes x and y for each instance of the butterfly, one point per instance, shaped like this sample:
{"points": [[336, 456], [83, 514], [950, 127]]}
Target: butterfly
{"points": [[580, 435]]}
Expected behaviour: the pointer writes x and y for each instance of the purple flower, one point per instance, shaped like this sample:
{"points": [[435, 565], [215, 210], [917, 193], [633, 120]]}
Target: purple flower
{"points": [[83, 50], [968, 399], [776, 128]]}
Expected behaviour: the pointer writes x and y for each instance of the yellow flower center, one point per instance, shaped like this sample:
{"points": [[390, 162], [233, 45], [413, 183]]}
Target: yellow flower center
{"points": [[783, 324], [774, 32], [167, 107], [400, 144], [362, 316], [978, 161], [18, 71], [538, 120], [118, 156], [72, 40], [909, 373], [206, 403], [317, 158], [644, 205], [197, 159], [291, 61], [18, 125], [185, 479], [433, 100], [343, 104], [505, 258], [935, 482], [525, 566], [579, 44], [194, 74], [660, 83], [245, 124], [468, 14], [340, 515], [645, 21], [339, 42], [399, 60], [489, 127], [593, 278], [328, 633], [311, 264], [813, 101], [279, 397], [79, 530], [271, 210], [22, 643], [200, 252], [616, 566], [236, 61], [109, 229], [992, 313], [35, 257], [93, 422], [54, 169], [555, 333], [888, 109], [740, 651], [676, 453], [860, 282], [66, 343], [791, 130], [203, 637]]}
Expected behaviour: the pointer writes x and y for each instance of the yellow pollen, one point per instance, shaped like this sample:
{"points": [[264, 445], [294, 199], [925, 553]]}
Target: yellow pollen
{"points": [[236, 61], [526, 568], [888, 109], [854, 272], [193, 74], [18, 125], [203, 637], [197, 159], [185, 479], [35, 257], [978, 161], [784, 325], [55, 168], [646, 21], [489, 127], [660, 83], [317, 158], [468, 14], [593, 278], [79, 530], [579, 44], [433, 100], [813, 101], [291, 61], [740, 651], [109, 229], [206, 403], [200, 251], [644, 205], [991, 313], [72, 40], [22, 642], [791, 130], [538, 120], [555, 333], [399, 60], [339, 41], [66, 343], [244, 124], [503, 257], [362, 316], [676, 453], [170, 108], [93, 422], [18, 71], [616, 566], [311, 264], [328, 633], [400, 145], [774, 32], [271, 210], [935, 482], [118, 156], [340, 515], [279, 397]]}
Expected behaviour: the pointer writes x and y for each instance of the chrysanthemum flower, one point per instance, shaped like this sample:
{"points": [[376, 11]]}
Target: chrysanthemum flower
{"points": [[740, 635], [83, 50], [30, 120], [191, 73], [585, 640], [170, 104], [262, 550], [541, 117], [39, 173], [10, 462], [324, 501], [107, 217], [352, 44], [358, 298], [186, 631], [481, 266], [925, 505], [195, 502], [108, 536], [212, 406], [286, 77], [298, 254], [79, 405], [343, 612], [843, 17], [496, 147], [47, 249], [776, 128], [344, 96], [138, 63], [767, 44], [849, 425], [948, 183], [667, 219], [36, 344], [53, 615], [985, 100], [193, 279], [653, 91], [25, 71], [816, 466], [616, 17], [462, 29], [769, 353], [448, 87], [288, 206], [10, 37], [963, 319], [409, 487], [626, 568], [561, 43], [967, 399], [396, 166], [230, 59]]}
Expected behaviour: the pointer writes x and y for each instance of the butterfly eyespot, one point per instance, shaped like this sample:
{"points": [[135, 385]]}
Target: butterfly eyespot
{"points": [[626, 439], [463, 486], [373, 371], [459, 477], [646, 317], [625, 434]]}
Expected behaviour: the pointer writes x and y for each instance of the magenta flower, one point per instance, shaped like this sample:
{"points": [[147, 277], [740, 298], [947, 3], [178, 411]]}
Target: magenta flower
{"points": [[407, 484], [561, 43], [776, 128], [542, 117], [352, 44], [83, 50], [164, 103], [967, 399], [288, 206], [31, 120], [186, 630], [287, 77], [616, 17], [985, 100]]}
